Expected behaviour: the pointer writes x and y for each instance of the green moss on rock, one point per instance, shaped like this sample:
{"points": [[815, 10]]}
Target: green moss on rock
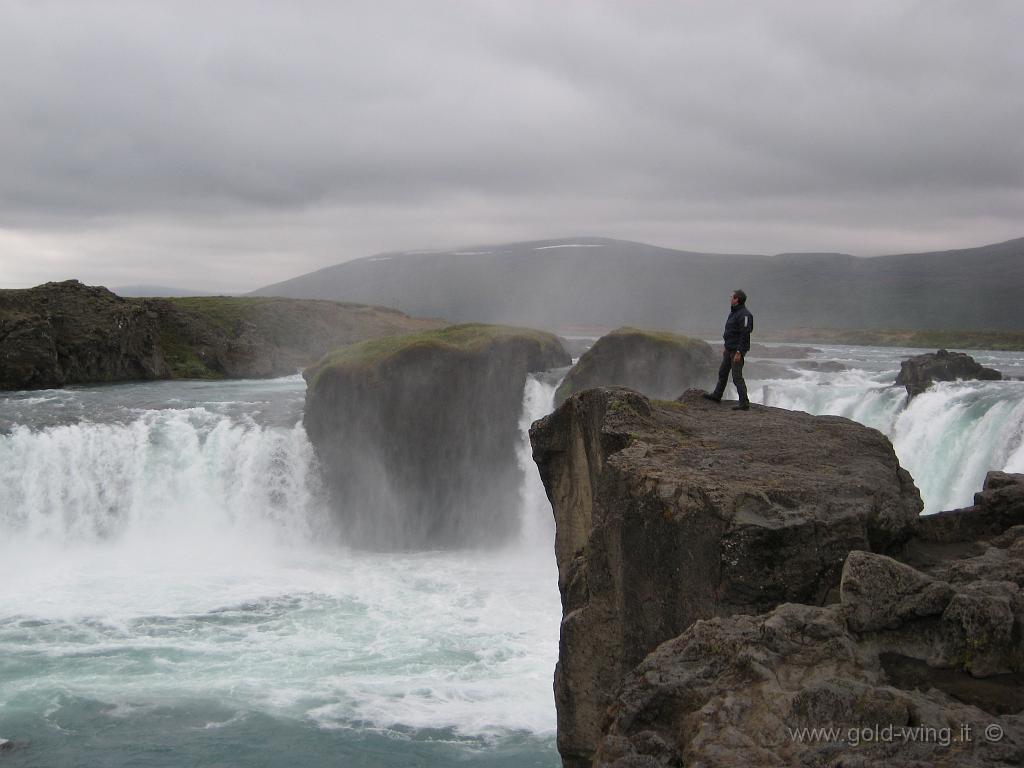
{"points": [[467, 338]]}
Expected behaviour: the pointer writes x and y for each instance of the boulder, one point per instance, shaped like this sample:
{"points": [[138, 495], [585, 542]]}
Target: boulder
{"points": [[657, 363], [417, 434], [671, 512], [918, 373], [880, 592]]}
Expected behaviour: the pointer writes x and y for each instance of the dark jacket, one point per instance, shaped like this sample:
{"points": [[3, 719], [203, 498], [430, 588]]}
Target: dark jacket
{"points": [[737, 329]]}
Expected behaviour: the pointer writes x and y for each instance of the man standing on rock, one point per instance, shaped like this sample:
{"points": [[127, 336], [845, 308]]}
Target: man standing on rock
{"points": [[738, 327]]}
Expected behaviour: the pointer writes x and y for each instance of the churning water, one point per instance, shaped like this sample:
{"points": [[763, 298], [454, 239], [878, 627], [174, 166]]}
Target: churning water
{"points": [[174, 593], [947, 438]]}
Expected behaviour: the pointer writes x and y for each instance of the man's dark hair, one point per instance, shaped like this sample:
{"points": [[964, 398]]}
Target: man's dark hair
{"points": [[741, 295]]}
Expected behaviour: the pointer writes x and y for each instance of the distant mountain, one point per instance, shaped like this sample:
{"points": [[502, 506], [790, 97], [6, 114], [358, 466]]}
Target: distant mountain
{"points": [[603, 282], [142, 291]]}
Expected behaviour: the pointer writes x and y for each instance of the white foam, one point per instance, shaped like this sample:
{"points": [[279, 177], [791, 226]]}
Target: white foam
{"points": [[948, 438], [181, 555]]}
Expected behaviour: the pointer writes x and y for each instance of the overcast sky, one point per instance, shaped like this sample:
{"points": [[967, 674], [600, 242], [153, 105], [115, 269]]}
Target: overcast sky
{"points": [[226, 145]]}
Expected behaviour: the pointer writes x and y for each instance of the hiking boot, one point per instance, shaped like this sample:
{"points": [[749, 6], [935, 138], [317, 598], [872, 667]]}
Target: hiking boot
{"points": [[712, 398], [741, 407]]}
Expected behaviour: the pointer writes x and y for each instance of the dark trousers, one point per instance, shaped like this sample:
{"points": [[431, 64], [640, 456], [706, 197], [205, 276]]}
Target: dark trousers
{"points": [[737, 376]]}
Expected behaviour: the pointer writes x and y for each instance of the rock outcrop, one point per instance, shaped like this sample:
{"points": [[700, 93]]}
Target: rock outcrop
{"points": [[670, 513], [69, 333], [920, 372], [910, 668], [656, 363], [417, 434]]}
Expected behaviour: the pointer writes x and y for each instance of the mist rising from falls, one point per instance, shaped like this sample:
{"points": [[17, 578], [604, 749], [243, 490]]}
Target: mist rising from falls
{"points": [[176, 570]]}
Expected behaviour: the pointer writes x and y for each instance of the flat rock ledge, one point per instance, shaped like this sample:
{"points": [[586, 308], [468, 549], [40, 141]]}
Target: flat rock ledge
{"points": [[672, 512]]}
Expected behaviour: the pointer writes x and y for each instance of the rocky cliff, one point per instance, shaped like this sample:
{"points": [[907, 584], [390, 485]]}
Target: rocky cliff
{"points": [[69, 333], [729, 583], [913, 666], [656, 363], [417, 434], [671, 512]]}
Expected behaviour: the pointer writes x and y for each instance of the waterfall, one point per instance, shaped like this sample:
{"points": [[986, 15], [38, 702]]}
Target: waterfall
{"points": [[189, 473], [947, 438], [538, 525]]}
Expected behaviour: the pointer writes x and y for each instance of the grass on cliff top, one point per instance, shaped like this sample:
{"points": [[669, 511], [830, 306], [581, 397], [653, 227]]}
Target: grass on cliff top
{"points": [[226, 311], [469, 337], [992, 340], [182, 358], [222, 311], [666, 337]]}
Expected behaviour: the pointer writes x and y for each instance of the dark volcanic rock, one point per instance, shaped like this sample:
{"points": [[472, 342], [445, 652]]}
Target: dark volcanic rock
{"points": [[656, 363], [68, 333], [918, 373], [667, 513], [63, 333], [910, 669], [417, 434], [998, 506], [747, 690]]}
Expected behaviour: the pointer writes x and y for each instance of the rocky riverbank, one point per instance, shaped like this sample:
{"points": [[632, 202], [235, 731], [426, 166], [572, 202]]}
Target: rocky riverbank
{"points": [[66, 333]]}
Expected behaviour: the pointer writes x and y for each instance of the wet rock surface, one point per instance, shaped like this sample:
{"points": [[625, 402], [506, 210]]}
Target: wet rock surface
{"points": [[920, 372], [655, 363], [417, 435], [671, 513]]}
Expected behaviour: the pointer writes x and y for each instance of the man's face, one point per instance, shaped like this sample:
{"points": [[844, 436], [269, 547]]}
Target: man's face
{"points": [[733, 300]]}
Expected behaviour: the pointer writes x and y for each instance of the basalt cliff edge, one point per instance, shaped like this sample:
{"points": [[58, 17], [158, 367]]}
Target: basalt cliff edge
{"points": [[730, 578]]}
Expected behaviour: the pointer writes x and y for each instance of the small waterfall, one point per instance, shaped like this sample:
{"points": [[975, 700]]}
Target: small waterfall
{"points": [[187, 473], [947, 438], [538, 525], [951, 435]]}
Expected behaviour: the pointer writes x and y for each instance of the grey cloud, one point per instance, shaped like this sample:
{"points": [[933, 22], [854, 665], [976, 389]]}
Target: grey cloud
{"points": [[266, 138]]}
